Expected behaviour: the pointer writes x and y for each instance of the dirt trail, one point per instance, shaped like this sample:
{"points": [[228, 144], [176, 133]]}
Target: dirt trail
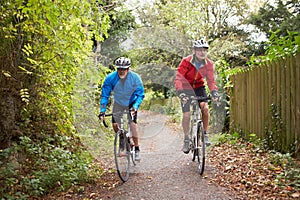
{"points": [[165, 172]]}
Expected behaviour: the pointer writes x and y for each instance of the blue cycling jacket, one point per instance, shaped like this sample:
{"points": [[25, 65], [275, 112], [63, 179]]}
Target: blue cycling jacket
{"points": [[126, 91]]}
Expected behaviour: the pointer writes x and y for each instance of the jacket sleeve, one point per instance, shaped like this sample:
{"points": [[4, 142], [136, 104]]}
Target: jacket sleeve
{"points": [[139, 93], [107, 87], [210, 78], [179, 78]]}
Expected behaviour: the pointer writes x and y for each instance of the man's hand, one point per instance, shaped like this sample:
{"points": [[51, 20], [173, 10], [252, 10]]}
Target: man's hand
{"points": [[184, 98], [132, 112], [215, 96], [101, 116]]}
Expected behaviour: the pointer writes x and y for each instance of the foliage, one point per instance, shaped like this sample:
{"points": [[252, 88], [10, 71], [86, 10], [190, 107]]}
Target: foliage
{"points": [[121, 20], [51, 47], [279, 47], [282, 17], [43, 167], [194, 18], [290, 176], [227, 138], [44, 44], [156, 102], [275, 20]]}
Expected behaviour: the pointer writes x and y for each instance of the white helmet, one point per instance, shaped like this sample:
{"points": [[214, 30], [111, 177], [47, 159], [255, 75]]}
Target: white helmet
{"points": [[122, 63], [200, 44]]}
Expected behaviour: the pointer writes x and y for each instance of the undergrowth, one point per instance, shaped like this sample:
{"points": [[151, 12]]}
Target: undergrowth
{"points": [[34, 168]]}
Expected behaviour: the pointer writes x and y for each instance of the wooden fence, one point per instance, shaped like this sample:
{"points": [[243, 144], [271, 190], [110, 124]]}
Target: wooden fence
{"points": [[265, 101]]}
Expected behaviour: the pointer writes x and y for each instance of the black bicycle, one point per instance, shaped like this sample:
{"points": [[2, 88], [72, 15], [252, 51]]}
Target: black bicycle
{"points": [[196, 133], [123, 146]]}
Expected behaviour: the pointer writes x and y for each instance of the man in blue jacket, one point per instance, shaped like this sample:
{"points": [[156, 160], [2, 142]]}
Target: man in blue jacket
{"points": [[128, 94]]}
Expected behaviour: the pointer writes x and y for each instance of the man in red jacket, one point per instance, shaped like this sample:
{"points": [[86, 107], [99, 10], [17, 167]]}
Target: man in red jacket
{"points": [[189, 81]]}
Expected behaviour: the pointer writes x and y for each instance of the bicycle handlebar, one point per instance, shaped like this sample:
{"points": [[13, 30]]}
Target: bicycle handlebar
{"points": [[104, 123], [120, 112], [200, 98]]}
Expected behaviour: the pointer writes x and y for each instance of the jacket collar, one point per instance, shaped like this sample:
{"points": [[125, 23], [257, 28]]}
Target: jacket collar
{"points": [[193, 60]]}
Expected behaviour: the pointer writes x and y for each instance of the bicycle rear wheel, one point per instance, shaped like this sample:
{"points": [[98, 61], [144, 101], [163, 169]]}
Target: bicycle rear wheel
{"points": [[122, 155], [201, 147]]}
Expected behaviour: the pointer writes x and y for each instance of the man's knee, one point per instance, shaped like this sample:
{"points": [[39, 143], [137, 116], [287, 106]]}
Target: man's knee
{"points": [[115, 126], [205, 109], [186, 115]]}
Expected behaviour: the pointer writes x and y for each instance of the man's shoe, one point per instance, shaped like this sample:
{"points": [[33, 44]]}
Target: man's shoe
{"points": [[206, 141], [186, 146], [137, 155]]}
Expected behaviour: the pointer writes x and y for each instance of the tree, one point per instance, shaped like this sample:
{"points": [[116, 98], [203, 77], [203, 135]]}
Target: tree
{"points": [[43, 45], [209, 18], [282, 17]]}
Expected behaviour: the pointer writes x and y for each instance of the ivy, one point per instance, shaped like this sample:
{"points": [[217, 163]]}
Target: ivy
{"points": [[278, 47]]}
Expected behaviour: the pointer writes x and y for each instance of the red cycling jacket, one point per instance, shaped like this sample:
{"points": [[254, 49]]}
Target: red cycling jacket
{"points": [[188, 78]]}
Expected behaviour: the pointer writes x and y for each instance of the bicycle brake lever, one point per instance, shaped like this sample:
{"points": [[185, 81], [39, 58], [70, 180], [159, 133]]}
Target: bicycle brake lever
{"points": [[104, 123]]}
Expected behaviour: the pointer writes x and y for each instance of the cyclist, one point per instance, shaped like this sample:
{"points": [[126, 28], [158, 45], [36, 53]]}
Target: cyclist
{"points": [[189, 81], [128, 90]]}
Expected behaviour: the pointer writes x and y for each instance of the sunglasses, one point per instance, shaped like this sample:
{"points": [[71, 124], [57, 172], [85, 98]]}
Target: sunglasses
{"points": [[122, 69]]}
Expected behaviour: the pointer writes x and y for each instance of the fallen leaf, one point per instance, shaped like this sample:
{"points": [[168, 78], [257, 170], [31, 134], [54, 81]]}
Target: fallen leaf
{"points": [[296, 195]]}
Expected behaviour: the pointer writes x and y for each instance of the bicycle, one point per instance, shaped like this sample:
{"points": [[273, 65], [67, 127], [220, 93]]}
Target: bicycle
{"points": [[196, 132], [123, 146]]}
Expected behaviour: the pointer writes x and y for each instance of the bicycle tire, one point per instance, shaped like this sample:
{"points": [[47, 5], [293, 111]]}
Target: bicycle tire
{"points": [[201, 149], [122, 155]]}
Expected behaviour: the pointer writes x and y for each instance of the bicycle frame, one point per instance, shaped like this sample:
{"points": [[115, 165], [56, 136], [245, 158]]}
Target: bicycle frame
{"points": [[197, 132], [195, 120], [126, 150]]}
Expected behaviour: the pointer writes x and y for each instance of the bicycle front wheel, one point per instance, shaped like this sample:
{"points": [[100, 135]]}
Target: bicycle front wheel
{"points": [[122, 155], [201, 147]]}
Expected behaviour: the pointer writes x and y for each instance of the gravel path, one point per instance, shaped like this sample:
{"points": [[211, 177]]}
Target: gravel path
{"points": [[164, 171]]}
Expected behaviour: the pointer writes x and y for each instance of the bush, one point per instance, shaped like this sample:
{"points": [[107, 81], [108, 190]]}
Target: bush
{"points": [[33, 168]]}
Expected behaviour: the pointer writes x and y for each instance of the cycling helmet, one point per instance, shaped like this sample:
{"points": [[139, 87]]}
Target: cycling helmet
{"points": [[200, 44], [122, 63]]}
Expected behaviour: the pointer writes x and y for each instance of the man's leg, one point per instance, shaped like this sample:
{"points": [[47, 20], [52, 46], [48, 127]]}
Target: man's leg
{"points": [[186, 122], [133, 128], [205, 114], [115, 127], [186, 127], [205, 118], [116, 120]]}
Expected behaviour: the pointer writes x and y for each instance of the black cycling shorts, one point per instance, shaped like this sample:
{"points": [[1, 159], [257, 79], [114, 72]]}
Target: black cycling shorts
{"points": [[200, 92], [117, 108]]}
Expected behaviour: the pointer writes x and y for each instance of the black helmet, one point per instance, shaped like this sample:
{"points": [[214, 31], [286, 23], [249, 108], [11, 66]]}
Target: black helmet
{"points": [[122, 63], [200, 44]]}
